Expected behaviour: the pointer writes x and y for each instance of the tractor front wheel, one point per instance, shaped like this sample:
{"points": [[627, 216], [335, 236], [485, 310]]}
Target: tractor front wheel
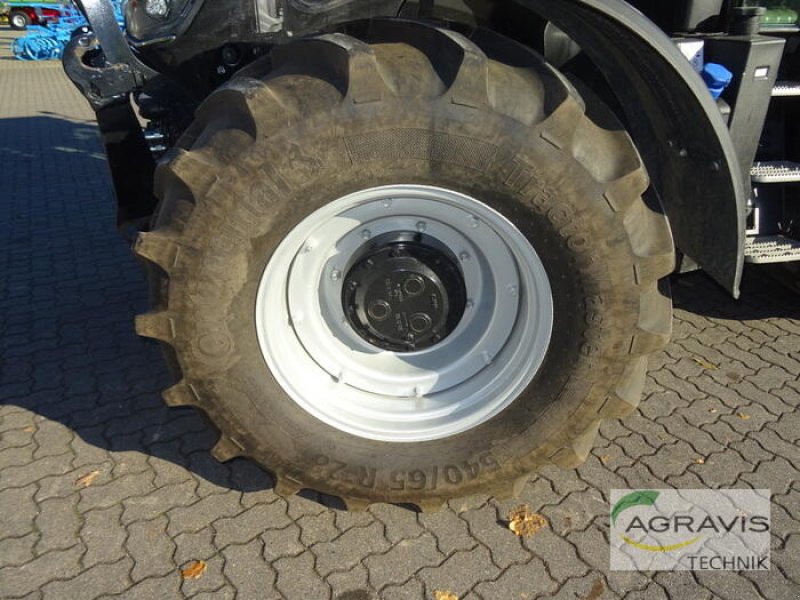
{"points": [[406, 268]]}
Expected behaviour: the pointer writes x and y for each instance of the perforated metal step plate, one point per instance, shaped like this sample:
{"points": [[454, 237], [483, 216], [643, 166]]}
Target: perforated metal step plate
{"points": [[771, 249], [786, 88], [782, 171]]}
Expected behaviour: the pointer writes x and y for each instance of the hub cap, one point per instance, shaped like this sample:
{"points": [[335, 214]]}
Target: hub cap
{"points": [[404, 313], [405, 292]]}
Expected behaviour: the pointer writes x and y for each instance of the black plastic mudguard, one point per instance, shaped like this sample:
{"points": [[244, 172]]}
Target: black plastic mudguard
{"points": [[676, 125]]}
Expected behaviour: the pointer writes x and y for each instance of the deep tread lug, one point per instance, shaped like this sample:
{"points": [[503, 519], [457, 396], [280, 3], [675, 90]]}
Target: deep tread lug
{"points": [[577, 452], [226, 449], [655, 322], [157, 325], [193, 172], [180, 394], [430, 505], [158, 249], [628, 393], [471, 86], [652, 268], [285, 487], [621, 193], [356, 504], [560, 126], [519, 485], [365, 81]]}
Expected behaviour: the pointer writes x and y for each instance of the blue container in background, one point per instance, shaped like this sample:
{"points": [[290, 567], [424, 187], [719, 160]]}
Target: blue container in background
{"points": [[717, 78]]}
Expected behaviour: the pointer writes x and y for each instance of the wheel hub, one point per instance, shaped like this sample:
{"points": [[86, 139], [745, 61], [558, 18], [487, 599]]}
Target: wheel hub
{"points": [[404, 292]]}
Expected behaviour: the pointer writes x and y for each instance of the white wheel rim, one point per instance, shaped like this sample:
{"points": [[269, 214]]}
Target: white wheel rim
{"points": [[464, 380], [18, 21]]}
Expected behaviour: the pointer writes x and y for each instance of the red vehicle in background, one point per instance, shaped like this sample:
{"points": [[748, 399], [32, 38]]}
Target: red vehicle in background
{"points": [[22, 14]]}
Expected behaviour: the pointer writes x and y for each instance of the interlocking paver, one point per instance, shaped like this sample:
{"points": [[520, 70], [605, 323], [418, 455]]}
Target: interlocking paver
{"points": [[103, 536], [316, 528], [16, 551], [402, 561], [162, 588], [450, 531], [151, 548], [351, 585], [728, 585], [530, 579], [19, 521], [460, 572], [247, 525], [58, 524], [194, 546], [282, 542], [80, 393], [486, 526], [23, 475], [560, 557], [92, 583], [195, 516], [349, 549], [33, 575], [297, 578], [411, 590], [144, 508], [248, 572], [399, 523]]}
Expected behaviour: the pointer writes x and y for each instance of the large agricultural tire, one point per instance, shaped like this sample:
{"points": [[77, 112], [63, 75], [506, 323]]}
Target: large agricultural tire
{"points": [[468, 165]]}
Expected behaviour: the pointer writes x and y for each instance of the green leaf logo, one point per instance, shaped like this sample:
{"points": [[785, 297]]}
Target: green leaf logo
{"points": [[641, 498]]}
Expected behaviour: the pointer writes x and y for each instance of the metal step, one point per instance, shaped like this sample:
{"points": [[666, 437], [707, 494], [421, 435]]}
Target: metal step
{"points": [[776, 171], [771, 249], [786, 88]]}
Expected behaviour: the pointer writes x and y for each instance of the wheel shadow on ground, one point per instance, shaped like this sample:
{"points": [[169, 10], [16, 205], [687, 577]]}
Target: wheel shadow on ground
{"points": [[762, 296], [71, 288], [69, 293]]}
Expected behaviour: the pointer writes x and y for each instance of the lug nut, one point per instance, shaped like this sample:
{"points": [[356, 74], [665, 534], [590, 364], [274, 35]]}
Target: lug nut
{"points": [[366, 234], [336, 275], [422, 226]]}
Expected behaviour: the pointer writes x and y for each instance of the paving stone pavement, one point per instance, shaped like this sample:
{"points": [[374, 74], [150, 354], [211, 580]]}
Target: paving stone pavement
{"points": [[79, 396]]}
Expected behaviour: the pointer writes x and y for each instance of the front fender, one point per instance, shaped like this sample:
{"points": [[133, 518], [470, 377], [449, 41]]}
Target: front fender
{"points": [[676, 125]]}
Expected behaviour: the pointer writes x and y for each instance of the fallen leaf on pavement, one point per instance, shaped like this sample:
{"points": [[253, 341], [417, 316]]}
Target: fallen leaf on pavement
{"points": [[29, 429], [705, 364], [700, 461], [743, 416], [194, 570], [87, 479], [444, 596], [598, 587], [605, 458], [525, 523]]}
